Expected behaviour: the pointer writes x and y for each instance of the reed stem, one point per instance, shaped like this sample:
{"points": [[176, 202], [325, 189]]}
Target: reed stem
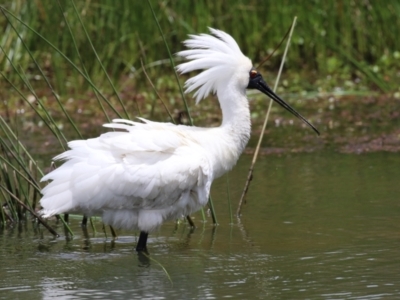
{"points": [[255, 156]]}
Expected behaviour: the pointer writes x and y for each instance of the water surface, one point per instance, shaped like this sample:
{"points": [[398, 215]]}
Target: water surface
{"points": [[315, 226]]}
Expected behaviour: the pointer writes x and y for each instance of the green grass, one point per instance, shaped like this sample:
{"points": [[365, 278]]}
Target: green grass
{"points": [[330, 36]]}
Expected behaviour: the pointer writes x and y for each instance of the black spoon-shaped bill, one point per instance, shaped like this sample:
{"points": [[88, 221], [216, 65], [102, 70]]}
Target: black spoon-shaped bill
{"points": [[257, 82]]}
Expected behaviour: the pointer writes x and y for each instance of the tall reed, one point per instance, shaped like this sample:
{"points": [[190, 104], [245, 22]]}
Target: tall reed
{"points": [[123, 32]]}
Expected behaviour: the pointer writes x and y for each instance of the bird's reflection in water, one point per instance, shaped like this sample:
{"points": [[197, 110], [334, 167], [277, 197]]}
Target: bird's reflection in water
{"points": [[143, 259]]}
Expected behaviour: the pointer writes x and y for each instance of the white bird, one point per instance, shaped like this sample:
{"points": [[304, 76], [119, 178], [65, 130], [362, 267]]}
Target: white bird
{"points": [[150, 172]]}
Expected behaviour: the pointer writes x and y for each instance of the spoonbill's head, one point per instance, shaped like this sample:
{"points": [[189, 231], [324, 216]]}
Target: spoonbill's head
{"points": [[225, 66]]}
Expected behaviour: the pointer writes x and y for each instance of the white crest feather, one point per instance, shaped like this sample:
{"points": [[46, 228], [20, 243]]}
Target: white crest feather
{"points": [[218, 54]]}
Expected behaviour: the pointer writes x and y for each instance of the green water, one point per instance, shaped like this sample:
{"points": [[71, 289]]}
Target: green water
{"points": [[316, 226]]}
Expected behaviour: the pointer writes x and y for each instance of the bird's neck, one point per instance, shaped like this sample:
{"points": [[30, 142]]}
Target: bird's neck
{"points": [[235, 116], [228, 141]]}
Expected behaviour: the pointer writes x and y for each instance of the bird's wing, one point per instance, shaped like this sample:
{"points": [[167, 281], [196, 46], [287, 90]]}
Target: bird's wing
{"points": [[149, 165]]}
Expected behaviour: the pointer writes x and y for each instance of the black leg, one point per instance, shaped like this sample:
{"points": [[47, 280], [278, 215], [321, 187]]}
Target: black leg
{"points": [[191, 223], [141, 245], [84, 221]]}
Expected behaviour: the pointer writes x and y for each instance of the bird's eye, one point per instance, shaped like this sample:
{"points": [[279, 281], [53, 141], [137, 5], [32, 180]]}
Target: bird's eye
{"points": [[253, 73]]}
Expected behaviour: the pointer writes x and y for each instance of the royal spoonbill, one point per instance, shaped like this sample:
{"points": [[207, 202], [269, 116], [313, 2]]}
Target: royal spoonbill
{"points": [[146, 173]]}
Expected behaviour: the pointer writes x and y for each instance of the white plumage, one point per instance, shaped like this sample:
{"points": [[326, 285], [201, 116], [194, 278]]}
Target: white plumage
{"points": [[150, 172]]}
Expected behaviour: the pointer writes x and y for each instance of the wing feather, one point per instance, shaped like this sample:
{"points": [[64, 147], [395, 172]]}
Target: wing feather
{"points": [[147, 166]]}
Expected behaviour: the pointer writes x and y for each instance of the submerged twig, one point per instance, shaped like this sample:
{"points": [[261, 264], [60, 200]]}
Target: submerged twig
{"points": [[158, 263], [213, 215], [49, 228], [250, 174], [228, 194]]}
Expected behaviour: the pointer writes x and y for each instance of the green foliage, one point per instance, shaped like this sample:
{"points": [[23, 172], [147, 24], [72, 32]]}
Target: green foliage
{"points": [[329, 34]]}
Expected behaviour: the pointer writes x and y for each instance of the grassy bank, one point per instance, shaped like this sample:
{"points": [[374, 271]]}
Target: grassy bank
{"points": [[337, 38]]}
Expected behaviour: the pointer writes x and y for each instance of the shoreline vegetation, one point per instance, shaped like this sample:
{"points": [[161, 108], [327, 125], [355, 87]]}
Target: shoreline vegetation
{"points": [[341, 52], [69, 67]]}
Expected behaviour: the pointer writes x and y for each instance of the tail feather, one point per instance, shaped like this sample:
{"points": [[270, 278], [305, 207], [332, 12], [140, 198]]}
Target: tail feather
{"points": [[56, 204], [57, 195]]}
